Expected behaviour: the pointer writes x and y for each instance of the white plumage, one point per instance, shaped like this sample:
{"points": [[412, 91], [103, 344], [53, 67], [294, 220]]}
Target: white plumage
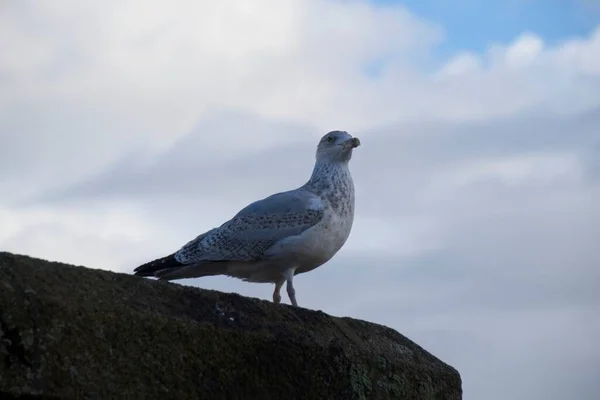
{"points": [[278, 237]]}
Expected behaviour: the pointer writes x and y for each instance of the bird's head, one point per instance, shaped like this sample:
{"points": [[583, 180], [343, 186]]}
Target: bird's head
{"points": [[336, 146]]}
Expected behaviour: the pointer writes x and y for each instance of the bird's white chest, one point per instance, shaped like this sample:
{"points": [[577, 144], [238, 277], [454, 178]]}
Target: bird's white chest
{"points": [[335, 229], [320, 243]]}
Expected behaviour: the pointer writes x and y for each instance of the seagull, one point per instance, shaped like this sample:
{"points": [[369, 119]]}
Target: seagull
{"points": [[273, 239]]}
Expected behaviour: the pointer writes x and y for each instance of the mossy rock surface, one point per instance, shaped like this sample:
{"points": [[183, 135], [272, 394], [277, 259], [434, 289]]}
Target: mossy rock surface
{"points": [[70, 332]]}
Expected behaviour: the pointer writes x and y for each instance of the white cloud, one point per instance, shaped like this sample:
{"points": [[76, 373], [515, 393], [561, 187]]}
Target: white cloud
{"points": [[163, 66], [82, 85], [398, 235], [579, 55], [97, 236], [522, 170], [524, 51], [461, 64], [521, 76]]}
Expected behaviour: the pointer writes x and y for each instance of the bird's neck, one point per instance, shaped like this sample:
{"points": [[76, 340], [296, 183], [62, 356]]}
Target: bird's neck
{"points": [[333, 182], [324, 171]]}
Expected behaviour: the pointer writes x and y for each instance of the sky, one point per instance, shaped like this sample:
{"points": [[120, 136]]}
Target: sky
{"points": [[128, 129]]}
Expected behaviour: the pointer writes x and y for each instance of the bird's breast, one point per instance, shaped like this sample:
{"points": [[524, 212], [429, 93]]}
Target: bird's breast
{"points": [[320, 243], [325, 239]]}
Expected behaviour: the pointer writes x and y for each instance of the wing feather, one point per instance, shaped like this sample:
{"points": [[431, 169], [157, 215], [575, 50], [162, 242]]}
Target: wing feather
{"points": [[257, 227]]}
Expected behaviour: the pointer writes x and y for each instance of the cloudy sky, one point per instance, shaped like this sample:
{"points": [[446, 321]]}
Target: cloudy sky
{"points": [[127, 129]]}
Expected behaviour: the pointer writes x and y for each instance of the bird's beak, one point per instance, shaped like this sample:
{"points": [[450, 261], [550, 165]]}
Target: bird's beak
{"points": [[351, 143]]}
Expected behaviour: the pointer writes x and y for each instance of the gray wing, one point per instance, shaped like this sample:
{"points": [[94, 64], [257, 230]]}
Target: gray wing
{"points": [[256, 228]]}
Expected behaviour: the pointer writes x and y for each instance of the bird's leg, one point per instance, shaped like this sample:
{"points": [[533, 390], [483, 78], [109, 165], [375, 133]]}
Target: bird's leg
{"points": [[289, 277], [276, 295]]}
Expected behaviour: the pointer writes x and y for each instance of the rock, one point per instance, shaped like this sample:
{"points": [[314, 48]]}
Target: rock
{"points": [[70, 332]]}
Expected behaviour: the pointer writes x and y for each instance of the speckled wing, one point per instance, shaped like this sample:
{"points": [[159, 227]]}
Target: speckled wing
{"points": [[255, 229]]}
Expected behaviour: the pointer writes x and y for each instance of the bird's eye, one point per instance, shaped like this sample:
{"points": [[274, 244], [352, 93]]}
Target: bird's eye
{"points": [[330, 139]]}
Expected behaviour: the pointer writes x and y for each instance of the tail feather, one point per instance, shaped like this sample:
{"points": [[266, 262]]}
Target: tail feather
{"points": [[192, 271], [168, 268], [150, 268]]}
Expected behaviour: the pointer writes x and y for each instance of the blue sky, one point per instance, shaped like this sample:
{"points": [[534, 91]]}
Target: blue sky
{"points": [[475, 24]]}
